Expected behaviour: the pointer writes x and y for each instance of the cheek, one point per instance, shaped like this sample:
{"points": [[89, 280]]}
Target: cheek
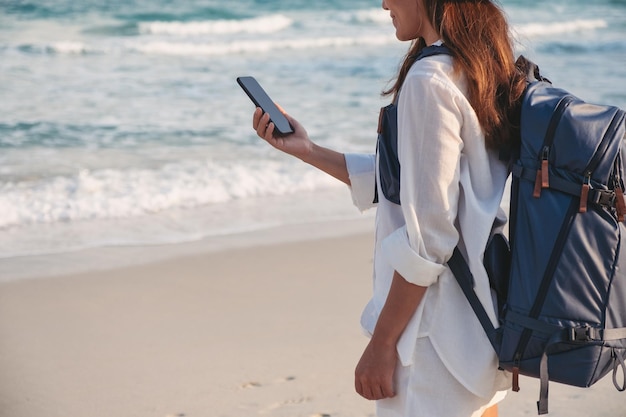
{"points": [[413, 21], [409, 29]]}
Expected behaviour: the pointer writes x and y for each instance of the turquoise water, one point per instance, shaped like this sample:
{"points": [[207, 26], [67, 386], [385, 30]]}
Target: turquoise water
{"points": [[121, 122]]}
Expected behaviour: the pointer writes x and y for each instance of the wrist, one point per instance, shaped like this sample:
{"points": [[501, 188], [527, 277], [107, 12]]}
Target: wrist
{"points": [[384, 339], [308, 156]]}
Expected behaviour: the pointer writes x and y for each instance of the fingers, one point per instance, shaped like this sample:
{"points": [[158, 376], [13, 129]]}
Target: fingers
{"points": [[374, 389], [374, 385], [374, 374], [256, 117], [368, 393], [261, 123], [387, 390]]}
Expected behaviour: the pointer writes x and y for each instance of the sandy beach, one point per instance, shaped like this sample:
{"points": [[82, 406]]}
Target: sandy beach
{"points": [[268, 329]]}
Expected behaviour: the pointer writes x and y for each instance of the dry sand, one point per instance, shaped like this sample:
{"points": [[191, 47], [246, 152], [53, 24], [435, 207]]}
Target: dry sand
{"points": [[264, 330]]}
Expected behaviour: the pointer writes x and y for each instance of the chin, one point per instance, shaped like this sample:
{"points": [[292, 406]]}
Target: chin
{"points": [[401, 37], [404, 38]]}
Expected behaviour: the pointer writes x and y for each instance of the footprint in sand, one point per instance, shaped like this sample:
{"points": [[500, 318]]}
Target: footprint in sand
{"points": [[251, 384], [255, 384], [286, 403], [285, 379]]}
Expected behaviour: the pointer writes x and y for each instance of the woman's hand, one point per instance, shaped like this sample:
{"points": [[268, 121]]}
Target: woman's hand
{"points": [[374, 373], [297, 143]]}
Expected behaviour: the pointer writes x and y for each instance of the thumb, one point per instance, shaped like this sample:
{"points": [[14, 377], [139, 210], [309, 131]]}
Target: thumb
{"points": [[284, 113]]}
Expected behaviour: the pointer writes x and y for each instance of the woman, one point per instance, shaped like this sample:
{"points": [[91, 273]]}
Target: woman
{"points": [[428, 355]]}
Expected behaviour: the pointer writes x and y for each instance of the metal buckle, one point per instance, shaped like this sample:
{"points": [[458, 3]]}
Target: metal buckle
{"points": [[580, 334], [604, 198]]}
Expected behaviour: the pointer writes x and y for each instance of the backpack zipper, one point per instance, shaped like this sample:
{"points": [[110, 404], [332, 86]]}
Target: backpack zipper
{"points": [[595, 161], [547, 279], [604, 144], [618, 187], [543, 173]]}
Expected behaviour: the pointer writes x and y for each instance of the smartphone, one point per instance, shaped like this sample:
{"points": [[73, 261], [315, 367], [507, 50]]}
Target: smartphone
{"points": [[260, 98]]}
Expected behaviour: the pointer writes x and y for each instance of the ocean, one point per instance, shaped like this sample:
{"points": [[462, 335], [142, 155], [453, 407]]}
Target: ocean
{"points": [[121, 123]]}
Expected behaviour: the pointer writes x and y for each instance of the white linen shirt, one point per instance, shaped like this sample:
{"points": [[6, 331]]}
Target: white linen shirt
{"points": [[450, 192]]}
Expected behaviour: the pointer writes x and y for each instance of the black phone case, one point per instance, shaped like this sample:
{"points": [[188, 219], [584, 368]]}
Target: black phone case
{"points": [[261, 99]]}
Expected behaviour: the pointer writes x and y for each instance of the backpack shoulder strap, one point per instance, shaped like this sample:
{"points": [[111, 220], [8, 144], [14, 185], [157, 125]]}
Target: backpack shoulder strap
{"points": [[389, 111], [464, 277], [433, 50]]}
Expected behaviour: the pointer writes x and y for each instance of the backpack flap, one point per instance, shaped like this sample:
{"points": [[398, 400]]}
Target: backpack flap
{"points": [[569, 145]]}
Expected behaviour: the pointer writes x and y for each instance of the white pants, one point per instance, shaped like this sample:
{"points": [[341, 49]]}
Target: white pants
{"points": [[427, 389]]}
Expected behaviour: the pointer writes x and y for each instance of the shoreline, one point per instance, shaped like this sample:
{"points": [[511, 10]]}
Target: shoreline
{"points": [[105, 258]]}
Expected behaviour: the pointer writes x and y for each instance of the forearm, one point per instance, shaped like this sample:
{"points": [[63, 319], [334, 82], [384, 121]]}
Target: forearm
{"points": [[329, 161], [402, 301], [299, 145], [374, 373]]}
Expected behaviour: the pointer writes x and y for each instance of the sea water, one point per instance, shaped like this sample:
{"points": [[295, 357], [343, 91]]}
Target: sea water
{"points": [[121, 122]]}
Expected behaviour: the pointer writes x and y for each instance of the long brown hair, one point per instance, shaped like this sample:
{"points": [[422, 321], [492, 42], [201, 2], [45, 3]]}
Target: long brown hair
{"points": [[477, 33]]}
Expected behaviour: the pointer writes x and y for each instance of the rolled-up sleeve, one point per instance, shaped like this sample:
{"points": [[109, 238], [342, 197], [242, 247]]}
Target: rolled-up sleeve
{"points": [[362, 173], [429, 150]]}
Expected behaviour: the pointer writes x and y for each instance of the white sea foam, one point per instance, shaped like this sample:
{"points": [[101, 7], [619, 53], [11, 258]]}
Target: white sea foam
{"points": [[110, 193], [253, 46], [69, 47], [209, 48], [558, 28], [377, 16], [264, 24]]}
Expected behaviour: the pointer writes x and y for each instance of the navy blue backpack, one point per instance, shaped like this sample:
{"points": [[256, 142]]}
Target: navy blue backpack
{"points": [[561, 285]]}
